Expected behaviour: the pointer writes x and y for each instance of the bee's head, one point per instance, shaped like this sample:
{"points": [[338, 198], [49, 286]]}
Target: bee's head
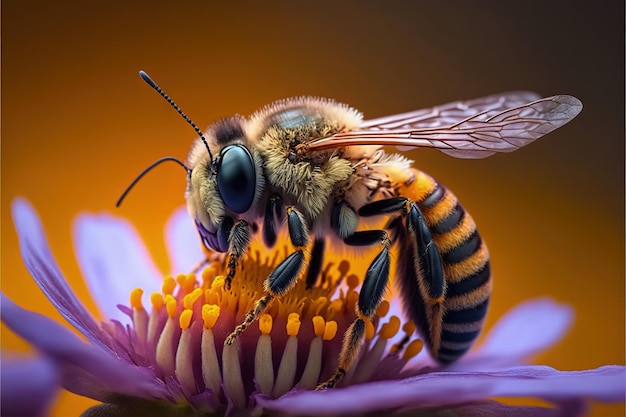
{"points": [[223, 189]]}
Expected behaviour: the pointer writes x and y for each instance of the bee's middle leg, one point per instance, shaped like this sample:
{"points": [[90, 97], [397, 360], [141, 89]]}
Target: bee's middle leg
{"points": [[284, 276]]}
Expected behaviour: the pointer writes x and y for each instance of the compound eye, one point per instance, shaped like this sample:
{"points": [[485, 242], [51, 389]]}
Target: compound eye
{"points": [[236, 178]]}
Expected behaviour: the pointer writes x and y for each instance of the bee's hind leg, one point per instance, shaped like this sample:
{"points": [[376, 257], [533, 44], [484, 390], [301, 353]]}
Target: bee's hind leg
{"points": [[284, 276], [370, 298]]}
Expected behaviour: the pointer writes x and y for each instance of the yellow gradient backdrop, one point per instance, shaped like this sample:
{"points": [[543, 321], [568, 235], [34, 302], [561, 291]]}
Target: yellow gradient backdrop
{"points": [[78, 124]]}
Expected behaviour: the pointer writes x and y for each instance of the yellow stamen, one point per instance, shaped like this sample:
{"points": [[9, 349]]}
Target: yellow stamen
{"points": [[210, 314], [218, 282], [408, 328], [135, 299], [185, 318], [293, 324], [383, 309], [191, 298], [352, 281], [180, 279], [265, 323], [169, 283], [156, 299], [330, 330], [189, 282], [318, 325], [390, 329], [413, 349], [170, 306]]}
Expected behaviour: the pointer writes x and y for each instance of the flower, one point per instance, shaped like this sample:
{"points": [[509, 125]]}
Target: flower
{"points": [[168, 357]]}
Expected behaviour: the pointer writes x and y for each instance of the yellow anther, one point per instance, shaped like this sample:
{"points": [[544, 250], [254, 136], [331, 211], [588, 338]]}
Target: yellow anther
{"points": [[369, 330], [344, 267], [390, 329], [210, 314], [180, 279], [189, 283], [265, 323], [293, 324], [330, 330], [135, 299], [218, 282], [318, 325], [170, 306], [413, 349], [352, 281], [408, 328], [191, 298], [169, 283], [185, 319], [156, 299], [383, 309]]}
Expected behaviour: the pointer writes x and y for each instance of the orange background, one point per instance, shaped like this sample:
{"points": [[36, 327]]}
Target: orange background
{"points": [[78, 124]]}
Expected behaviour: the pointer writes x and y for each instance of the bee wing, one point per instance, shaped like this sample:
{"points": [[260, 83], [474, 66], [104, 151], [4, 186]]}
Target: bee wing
{"points": [[465, 129]]}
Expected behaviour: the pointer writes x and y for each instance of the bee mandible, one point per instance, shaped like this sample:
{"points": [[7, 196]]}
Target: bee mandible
{"points": [[318, 167]]}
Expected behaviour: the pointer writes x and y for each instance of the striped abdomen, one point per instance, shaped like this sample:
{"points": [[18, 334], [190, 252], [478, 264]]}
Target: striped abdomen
{"points": [[466, 270]]}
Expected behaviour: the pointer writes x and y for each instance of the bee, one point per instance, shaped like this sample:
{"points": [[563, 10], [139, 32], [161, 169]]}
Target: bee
{"points": [[315, 166]]}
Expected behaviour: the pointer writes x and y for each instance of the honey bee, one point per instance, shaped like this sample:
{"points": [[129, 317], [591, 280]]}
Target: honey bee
{"points": [[318, 167]]}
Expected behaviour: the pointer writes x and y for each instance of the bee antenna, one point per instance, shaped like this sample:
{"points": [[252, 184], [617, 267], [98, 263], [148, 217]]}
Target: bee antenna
{"points": [[152, 84], [146, 170]]}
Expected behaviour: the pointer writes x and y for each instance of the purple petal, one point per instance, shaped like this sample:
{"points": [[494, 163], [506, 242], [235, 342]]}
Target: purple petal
{"points": [[183, 244], [529, 328], [87, 369], [42, 266], [29, 386], [448, 388], [114, 261], [526, 330]]}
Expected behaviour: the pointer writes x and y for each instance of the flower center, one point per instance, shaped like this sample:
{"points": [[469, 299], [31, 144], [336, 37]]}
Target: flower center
{"points": [[294, 343]]}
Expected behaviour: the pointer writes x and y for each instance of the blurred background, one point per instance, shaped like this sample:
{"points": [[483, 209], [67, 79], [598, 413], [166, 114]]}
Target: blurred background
{"points": [[78, 124]]}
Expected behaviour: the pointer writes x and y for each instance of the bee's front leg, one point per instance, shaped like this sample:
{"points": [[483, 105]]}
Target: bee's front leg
{"points": [[238, 242], [284, 276]]}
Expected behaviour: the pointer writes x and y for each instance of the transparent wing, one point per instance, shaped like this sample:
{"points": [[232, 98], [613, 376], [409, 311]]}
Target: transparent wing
{"points": [[465, 129]]}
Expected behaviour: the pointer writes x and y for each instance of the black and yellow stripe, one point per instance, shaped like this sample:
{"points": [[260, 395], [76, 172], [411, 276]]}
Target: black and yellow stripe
{"points": [[466, 271]]}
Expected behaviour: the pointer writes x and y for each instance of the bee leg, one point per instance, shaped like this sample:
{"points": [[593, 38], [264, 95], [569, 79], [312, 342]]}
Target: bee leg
{"points": [[238, 241], [315, 263], [430, 280], [279, 281], [426, 258], [273, 212], [283, 277], [371, 295]]}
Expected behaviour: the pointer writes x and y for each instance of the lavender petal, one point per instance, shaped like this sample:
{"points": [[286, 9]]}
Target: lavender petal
{"points": [[29, 386], [114, 261], [183, 244], [42, 266], [439, 389], [87, 369], [528, 329]]}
